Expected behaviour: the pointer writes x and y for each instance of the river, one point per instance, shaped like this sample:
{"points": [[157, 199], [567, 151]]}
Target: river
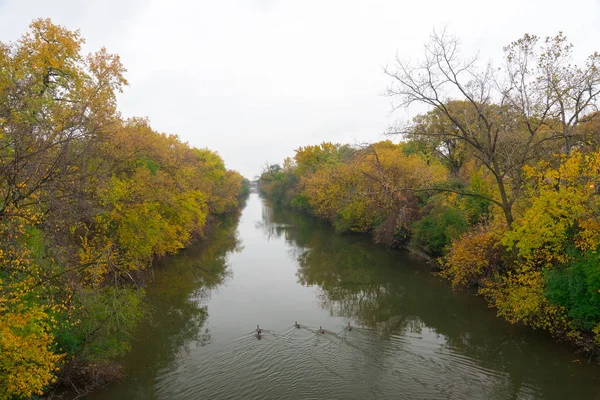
{"points": [[412, 337]]}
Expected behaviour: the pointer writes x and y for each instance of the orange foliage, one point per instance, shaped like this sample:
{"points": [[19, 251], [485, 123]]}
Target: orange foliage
{"points": [[472, 256], [374, 184]]}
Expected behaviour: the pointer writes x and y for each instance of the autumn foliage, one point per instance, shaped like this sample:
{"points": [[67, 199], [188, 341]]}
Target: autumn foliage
{"points": [[471, 257], [499, 182], [87, 201]]}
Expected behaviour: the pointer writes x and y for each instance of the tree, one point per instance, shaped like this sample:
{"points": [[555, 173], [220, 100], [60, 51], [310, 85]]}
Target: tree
{"points": [[55, 104], [368, 192], [309, 159], [572, 91], [86, 199], [438, 134], [507, 116], [562, 211]]}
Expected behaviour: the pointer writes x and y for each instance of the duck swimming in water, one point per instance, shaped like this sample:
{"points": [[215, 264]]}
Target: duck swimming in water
{"points": [[321, 329], [349, 327], [296, 324], [258, 330]]}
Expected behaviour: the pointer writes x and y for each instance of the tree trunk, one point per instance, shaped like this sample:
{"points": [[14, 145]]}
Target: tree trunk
{"points": [[506, 205]]}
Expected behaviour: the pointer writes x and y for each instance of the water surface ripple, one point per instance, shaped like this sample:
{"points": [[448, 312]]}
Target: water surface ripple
{"points": [[413, 337]]}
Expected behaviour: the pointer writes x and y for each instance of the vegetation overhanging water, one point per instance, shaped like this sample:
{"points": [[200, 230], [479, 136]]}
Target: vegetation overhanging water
{"points": [[412, 335]]}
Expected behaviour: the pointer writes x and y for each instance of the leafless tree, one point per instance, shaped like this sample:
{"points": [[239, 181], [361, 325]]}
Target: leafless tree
{"points": [[506, 116]]}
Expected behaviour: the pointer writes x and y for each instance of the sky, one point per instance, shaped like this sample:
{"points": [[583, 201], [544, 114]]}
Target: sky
{"points": [[256, 79]]}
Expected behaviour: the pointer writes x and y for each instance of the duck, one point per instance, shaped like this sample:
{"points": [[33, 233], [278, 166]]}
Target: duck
{"points": [[258, 330], [349, 327], [321, 329], [296, 324]]}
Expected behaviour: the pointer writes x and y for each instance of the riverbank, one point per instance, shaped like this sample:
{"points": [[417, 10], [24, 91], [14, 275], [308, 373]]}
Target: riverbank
{"points": [[80, 378], [540, 270], [583, 344], [88, 200]]}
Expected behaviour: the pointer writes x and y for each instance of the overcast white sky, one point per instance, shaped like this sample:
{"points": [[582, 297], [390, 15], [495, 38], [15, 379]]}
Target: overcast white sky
{"points": [[255, 79]]}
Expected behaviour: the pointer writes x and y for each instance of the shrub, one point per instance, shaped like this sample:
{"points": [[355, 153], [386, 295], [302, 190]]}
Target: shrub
{"points": [[435, 231], [471, 257], [519, 298], [576, 287]]}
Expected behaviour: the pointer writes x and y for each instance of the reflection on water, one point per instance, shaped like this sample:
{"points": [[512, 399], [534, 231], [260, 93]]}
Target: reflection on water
{"points": [[413, 336], [177, 310]]}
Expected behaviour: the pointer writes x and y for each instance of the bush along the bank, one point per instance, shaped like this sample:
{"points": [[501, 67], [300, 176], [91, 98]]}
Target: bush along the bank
{"points": [[87, 200], [501, 184]]}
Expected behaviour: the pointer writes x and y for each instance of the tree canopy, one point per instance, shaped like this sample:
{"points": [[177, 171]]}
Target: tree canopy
{"points": [[87, 201]]}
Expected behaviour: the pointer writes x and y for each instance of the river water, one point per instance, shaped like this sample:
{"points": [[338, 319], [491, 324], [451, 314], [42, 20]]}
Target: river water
{"points": [[412, 337]]}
